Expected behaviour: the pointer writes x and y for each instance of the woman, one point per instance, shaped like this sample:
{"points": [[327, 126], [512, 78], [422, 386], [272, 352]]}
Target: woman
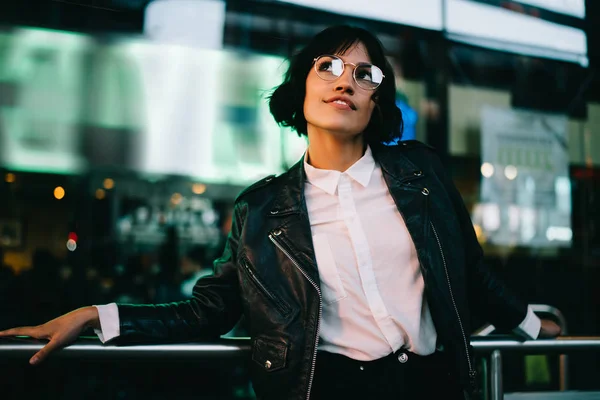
{"points": [[356, 271]]}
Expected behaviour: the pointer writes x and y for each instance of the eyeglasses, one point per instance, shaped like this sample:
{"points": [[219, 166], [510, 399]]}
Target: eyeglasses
{"points": [[366, 76]]}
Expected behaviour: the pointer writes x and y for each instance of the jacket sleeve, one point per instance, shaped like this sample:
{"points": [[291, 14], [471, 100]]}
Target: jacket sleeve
{"points": [[213, 310], [488, 296]]}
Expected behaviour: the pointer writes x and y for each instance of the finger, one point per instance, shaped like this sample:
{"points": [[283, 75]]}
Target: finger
{"points": [[44, 352], [21, 331]]}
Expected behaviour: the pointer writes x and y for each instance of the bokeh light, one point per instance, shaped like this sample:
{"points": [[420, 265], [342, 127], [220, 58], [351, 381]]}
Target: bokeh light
{"points": [[198, 188], [59, 193], [10, 178], [109, 184]]}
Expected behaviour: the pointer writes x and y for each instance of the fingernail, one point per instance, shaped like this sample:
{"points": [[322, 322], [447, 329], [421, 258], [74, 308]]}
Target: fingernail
{"points": [[34, 360]]}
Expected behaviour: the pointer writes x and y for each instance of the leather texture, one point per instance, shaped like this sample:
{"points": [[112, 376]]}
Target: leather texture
{"points": [[269, 275]]}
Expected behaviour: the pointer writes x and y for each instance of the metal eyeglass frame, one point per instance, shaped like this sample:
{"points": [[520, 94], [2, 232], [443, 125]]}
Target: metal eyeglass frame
{"points": [[343, 69]]}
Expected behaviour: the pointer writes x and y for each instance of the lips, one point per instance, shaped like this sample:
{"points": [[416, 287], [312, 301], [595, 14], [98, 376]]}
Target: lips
{"points": [[341, 101]]}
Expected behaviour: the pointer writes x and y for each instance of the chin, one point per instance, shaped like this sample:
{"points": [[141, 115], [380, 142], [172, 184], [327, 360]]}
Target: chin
{"points": [[341, 126], [341, 130], [347, 132]]}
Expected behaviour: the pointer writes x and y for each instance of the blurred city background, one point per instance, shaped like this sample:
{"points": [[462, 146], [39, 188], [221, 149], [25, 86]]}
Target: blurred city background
{"points": [[128, 127]]}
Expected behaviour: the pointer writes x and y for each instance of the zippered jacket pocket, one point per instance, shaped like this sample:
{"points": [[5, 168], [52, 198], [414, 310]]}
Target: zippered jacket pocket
{"points": [[283, 308]]}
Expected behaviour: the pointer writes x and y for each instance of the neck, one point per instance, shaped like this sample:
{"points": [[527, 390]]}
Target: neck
{"points": [[329, 152]]}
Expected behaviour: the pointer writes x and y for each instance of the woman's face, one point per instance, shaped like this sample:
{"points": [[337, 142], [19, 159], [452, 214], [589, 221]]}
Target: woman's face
{"points": [[339, 106]]}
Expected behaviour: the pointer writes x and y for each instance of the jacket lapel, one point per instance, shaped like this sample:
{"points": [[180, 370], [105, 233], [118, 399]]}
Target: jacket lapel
{"points": [[290, 215]]}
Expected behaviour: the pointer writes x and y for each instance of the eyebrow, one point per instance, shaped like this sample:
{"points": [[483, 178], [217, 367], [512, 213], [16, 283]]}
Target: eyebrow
{"points": [[346, 61]]}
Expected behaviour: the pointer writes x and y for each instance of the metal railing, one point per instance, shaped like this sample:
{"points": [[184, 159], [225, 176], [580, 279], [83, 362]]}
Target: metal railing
{"points": [[93, 348], [495, 347], [24, 348]]}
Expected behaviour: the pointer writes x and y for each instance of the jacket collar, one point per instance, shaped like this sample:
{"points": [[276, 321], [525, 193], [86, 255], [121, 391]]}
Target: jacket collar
{"points": [[290, 197], [395, 164], [328, 180]]}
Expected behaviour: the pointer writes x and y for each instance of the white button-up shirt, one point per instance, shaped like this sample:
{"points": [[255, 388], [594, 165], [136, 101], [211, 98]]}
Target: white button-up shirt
{"points": [[373, 302]]}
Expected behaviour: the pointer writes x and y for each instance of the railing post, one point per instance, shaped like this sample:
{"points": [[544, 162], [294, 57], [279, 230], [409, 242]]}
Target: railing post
{"points": [[562, 321], [485, 385], [496, 376], [564, 372]]}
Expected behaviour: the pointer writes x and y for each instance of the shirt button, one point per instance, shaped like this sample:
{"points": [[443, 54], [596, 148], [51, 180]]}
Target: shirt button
{"points": [[361, 368], [403, 357], [268, 364]]}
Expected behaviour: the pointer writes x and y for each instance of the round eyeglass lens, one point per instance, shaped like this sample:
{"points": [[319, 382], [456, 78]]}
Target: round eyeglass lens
{"points": [[368, 76], [329, 68]]}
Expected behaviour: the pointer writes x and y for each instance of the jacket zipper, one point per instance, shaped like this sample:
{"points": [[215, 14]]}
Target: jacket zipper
{"points": [[283, 308], [318, 289], [471, 371]]}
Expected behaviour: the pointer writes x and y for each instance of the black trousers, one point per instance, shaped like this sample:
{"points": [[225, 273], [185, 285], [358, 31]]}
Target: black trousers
{"points": [[400, 376]]}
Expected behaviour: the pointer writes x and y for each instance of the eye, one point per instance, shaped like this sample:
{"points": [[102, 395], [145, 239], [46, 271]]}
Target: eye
{"points": [[325, 65], [364, 74]]}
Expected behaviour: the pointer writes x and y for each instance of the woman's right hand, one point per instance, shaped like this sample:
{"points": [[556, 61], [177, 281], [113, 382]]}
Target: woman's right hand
{"points": [[60, 332]]}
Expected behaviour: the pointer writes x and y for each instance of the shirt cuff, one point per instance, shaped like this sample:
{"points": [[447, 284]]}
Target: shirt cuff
{"points": [[109, 322], [530, 327]]}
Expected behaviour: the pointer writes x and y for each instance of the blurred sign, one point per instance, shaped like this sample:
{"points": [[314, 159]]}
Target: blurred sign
{"points": [[43, 70], [525, 188], [575, 8], [500, 29], [69, 102], [197, 23], [421, 13], [205, 112]]}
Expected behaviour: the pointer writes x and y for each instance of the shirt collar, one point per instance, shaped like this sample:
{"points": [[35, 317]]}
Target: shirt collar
{"points": [[327, 180]]}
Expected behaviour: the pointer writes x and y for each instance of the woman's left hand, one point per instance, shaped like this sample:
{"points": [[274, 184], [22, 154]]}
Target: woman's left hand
{"points": [[549, 329]]}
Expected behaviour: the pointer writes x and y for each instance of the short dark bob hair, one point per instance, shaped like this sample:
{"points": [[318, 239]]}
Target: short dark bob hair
{"points": [[286, 102]]}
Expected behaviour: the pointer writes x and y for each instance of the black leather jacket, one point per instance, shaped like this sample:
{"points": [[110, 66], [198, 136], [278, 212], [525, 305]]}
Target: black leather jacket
{"points": [[268, 274]]}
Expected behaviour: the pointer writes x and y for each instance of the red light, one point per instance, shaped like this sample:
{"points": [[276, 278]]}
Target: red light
{"points": [[73, 236]]}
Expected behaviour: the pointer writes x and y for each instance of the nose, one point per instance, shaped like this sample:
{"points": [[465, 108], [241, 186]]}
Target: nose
{"points": [[345, 83]]}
